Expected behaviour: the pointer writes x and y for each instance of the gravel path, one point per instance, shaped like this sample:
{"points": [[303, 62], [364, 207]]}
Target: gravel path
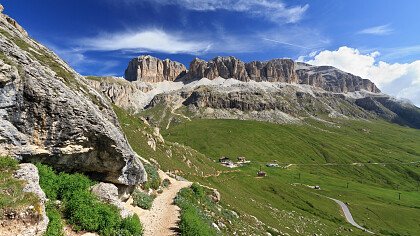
{"points": [[162, 219]]}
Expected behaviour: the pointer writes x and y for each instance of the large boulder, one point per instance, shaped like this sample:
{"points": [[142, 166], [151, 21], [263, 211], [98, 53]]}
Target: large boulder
{"points": [[49, 114], [108, 193]]}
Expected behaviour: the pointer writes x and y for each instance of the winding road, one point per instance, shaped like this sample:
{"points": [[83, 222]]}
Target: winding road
{"points": [[348, 215]]}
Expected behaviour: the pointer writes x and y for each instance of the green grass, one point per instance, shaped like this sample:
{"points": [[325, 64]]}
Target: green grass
{"points": [[171, 156], [12, 197], [193, 219], [56, 223], [373, 188], [323, 153]]}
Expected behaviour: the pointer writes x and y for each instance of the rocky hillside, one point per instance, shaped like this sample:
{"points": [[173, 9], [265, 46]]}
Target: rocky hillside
{"points": [[278, 90], [48, 113]]}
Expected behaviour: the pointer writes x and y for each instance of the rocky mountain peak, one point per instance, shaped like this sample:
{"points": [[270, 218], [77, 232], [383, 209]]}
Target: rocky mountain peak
{"points": [[151, 69]]}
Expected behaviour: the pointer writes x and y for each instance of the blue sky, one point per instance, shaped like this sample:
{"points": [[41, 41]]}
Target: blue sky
{"points": [[378, 40]]}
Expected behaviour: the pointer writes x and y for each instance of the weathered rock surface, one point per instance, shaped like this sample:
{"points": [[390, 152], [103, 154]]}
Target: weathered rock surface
{"points": [[332, 79], [277, 70], [278, 90], [33, 220], [109, 193], [48, 113], [225, 67], [151, 69]]}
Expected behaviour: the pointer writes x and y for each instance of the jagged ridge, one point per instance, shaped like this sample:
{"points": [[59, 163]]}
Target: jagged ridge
{"points": [[151, 69]]}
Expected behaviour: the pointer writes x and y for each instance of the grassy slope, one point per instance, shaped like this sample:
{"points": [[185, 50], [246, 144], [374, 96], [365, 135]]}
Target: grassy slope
{"points": [[279, 200], [373, 191], [170, 155]]}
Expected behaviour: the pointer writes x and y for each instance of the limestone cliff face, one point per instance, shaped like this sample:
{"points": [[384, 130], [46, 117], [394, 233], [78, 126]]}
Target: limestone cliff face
{"points": [[225, 67], [48, 113], [277, 70], [280, 70], [151, 69], [333, 80]]}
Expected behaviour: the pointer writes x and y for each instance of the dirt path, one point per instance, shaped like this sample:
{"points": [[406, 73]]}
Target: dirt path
{"points": [[177, 114], [162, 218]]}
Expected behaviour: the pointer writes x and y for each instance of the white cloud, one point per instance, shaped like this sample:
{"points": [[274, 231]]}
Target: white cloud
{"points": [[219, 41], [377, 30], [144, 41], [273, 10], [398, 79]]}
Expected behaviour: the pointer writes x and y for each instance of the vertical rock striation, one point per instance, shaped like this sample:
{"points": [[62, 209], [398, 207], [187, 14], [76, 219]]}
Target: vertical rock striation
{"points": [[151, 69]]}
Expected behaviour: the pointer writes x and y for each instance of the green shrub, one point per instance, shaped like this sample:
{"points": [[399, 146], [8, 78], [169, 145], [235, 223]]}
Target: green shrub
{"points": [[191, 224], [193, 221], [131, 226], [81, 208], [49, 181], [166, 183], [55, 226], [198, 190], [154, 180], [71, 183], [143, 200]]}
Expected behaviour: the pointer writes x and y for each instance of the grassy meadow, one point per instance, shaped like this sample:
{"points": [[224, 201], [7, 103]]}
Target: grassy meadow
{"points": [[366, 164]]}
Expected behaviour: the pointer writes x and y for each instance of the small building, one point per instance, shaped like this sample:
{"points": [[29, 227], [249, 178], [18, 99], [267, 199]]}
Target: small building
{"points": [[241, 159], [224, 160], [261, 173]]}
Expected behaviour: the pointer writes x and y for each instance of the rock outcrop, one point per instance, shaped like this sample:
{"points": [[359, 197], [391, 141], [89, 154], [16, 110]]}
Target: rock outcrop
{"points": [[108, 193], [225, 67], [31, 220], [151, 69], [277, 70], [333, 80], [49, 114]]}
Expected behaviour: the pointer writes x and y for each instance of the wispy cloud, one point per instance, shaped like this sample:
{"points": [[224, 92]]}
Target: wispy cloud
{"points": [[153, 40], [377, 30], [285, 43], [198, 43], [273, 10]]}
